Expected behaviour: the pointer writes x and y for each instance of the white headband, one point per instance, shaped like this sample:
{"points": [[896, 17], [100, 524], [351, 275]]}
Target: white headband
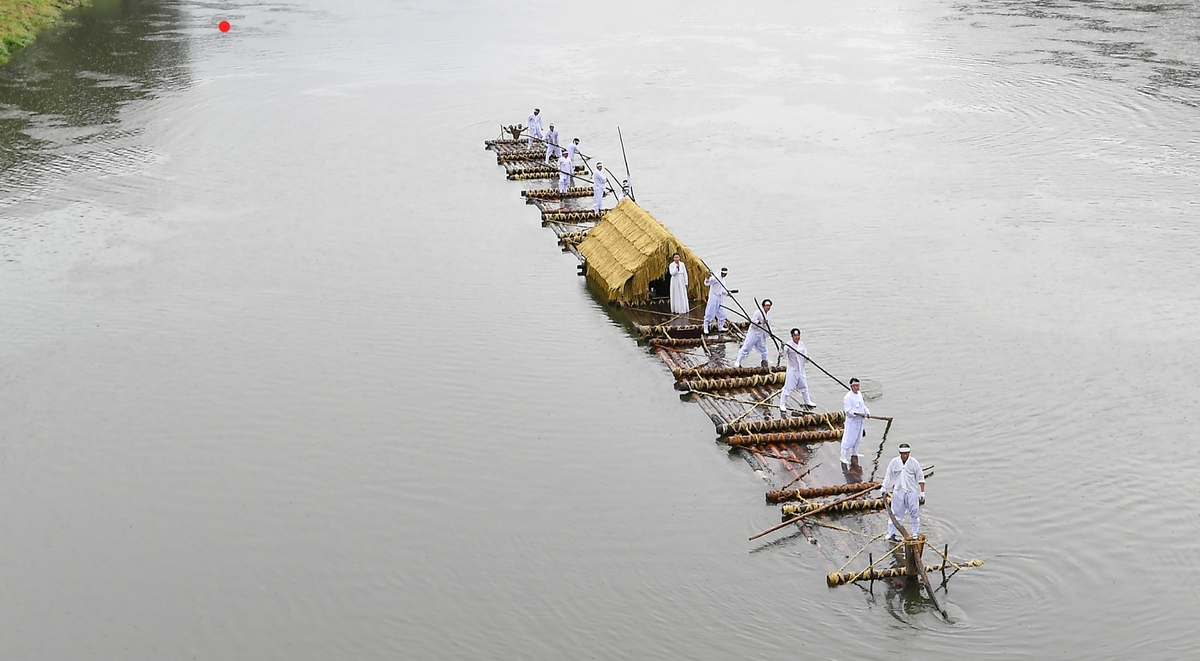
{"points": [[904, 448]]}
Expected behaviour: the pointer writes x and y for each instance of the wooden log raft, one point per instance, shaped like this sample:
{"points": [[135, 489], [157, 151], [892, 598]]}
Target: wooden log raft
{"points": [[786, 495], [805, 436], [503, 143], [871, 574], [572, 215], [833, 418], [732, 383], [856, 505], [552, 193], [718, 372]]}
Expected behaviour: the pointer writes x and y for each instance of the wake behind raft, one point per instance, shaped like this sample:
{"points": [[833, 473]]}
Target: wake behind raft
{"points": [[624, 252]]}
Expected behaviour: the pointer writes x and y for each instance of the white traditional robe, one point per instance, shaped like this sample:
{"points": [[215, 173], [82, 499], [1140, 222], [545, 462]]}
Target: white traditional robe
{"points": [[535, 128], [565, 169], [756, 336], [572, 149], [718, 289], [598, 182], [552, 145], [903, 480], [795, 379], [679, 286], [855, 408]]}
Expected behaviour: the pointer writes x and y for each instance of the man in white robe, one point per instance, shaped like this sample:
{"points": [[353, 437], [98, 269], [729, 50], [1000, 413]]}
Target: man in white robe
{"points": [[626, 189], [795, 379], [535, 126], [756, 336], [599, 180], [717, 291], [565, 169], [552, 144], [679, 285], [906, 482], [573, 149], [856, 416]]}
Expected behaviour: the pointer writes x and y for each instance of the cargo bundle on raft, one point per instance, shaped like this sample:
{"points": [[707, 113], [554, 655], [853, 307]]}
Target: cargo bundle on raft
{"points": [[623, 252]]}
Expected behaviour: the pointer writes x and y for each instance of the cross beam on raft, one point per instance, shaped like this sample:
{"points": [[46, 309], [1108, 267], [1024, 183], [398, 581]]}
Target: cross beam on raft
{"points": [[732, 383], [537, 167], [691, 341], [833, 418], [553, 193], [532, 156], [687, 330], [785, 495], [721, 372], [872, 574], [806, 436]]}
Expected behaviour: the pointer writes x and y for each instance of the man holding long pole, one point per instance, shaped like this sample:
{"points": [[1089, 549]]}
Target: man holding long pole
{"points": [[906, 482], [856, 415]]}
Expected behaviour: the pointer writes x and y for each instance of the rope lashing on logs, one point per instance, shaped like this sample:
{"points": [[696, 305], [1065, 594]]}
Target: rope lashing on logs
{"points": [[573, 238], [792, 509], [504, 142], [533, 156], [663, 330], [718, 372], [572, 215], [820, 508], [760, 426], [536, 167], [554, 194], [837, 579], [785, 495], [732, 383], [806, 436], [864, 548]]}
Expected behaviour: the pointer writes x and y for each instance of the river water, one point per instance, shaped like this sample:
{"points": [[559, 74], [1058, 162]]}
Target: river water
{"points": [[289, 371]]}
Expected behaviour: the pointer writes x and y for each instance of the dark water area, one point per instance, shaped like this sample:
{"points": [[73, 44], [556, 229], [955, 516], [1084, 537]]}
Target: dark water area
{"points": [[289, 370]]}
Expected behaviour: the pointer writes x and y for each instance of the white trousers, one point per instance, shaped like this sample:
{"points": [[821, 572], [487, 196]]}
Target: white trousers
{"points": [[534, 132], [852, 436], [753, 341], [714, 311], [552, 149], [564, 180], [598, 199], [793, 382], [905, 501]]}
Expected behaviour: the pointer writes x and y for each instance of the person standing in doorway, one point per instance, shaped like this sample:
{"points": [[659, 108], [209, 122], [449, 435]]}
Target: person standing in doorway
{"points": [[679, 285]]}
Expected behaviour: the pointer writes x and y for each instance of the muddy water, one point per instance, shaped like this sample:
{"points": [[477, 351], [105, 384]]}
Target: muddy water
{"points": [[289, 371]]}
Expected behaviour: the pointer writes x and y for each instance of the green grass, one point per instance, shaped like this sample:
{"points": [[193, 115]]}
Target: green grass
{"points": [[22, 20]]}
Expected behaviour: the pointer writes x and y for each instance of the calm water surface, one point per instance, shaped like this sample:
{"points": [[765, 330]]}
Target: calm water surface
{"points": [[289, 371]]}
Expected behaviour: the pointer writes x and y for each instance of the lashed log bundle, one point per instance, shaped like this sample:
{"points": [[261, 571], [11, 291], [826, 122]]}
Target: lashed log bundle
{"points": [[553, 193], [732, 383], [687, 329], [788, 495], [833, 418], [807, 436], [856, 505], [690, 341], [872, 574], [573, 238], [533, 156], [571, 215], [721, 372], [503, 143], [525, 173], [525, 167]]}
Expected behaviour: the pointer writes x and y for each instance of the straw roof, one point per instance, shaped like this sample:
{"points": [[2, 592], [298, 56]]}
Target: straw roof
{"points": [[628, 248]]}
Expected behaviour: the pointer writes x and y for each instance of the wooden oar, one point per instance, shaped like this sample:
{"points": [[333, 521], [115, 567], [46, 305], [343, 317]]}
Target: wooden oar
{"points": [[816, 511], [920, 564]]}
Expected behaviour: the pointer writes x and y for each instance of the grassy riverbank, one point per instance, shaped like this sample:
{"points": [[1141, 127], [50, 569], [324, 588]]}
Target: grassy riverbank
{"points": [[22, 20]]}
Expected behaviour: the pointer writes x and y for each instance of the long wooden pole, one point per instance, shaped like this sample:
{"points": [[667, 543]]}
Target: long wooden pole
{"points": [[816, 511], [809, 359], [628, 177], [920, 564], [798, 477]]}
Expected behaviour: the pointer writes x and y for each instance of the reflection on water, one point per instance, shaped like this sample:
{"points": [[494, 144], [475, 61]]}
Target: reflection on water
{"points": [[60, 99], [1155, 47]]}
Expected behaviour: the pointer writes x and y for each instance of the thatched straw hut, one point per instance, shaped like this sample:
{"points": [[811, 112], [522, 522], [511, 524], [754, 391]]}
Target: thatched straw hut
{"points": [[628, 249]]}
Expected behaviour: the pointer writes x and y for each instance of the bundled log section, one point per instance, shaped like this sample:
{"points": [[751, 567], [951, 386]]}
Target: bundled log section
{"points": [[571, 215], [537, 194], [806, 436], [719, 372], [800, 422], [658, 342], [787, 495], [731, 383], [871, 574], [854, 505], [696, 329]]}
